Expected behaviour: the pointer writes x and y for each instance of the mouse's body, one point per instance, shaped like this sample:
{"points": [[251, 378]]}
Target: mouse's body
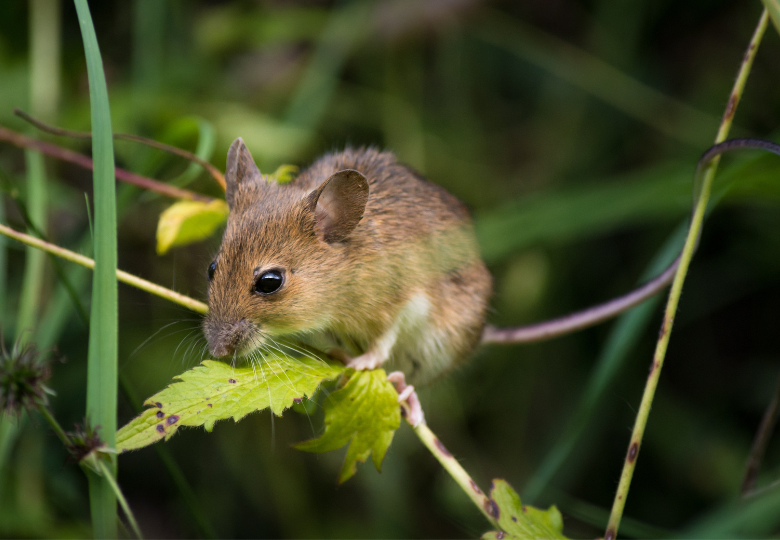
{"points": [[358, 253]]}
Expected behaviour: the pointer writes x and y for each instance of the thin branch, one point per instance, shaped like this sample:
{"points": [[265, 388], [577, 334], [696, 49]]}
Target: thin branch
{"points": [[55, 426], [701, 198], [457, 472], [22, 141], [121, 275], [760, 443], [211, 169]]}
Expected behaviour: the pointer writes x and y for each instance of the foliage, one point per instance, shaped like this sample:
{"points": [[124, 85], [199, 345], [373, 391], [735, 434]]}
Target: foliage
{"points": [[570, 130], [185, 222], [364, 414], [216, 391], [522, 521]]}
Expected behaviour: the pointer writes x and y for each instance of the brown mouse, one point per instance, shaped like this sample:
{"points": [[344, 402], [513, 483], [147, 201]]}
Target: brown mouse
{"points": [[360, 253]]}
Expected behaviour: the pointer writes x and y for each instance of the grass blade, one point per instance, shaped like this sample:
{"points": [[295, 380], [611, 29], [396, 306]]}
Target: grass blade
{"points": [[103, 328], [32, 282], [45, 22]]}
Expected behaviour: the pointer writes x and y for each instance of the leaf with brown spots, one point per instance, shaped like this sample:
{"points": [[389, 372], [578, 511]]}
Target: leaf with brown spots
{"points": [[216, 391], [364, 414], [521, 521]]}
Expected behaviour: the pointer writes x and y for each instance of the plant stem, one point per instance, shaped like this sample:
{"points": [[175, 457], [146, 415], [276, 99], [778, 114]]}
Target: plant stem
{"points": [[674, 295], [760, 442], [55, 426], [458, 473], [54, 130], [109, 476], [23, 141], [121, 275]]}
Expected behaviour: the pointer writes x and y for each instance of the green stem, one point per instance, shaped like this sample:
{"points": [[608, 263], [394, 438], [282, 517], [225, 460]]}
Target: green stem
{"points": [[674, 295], [121, 275], [458, 473], [109, 476], [55, 426]]}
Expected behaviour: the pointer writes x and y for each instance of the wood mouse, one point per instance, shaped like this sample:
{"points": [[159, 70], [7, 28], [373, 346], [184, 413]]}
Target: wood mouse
{"points": [[359, 251]]}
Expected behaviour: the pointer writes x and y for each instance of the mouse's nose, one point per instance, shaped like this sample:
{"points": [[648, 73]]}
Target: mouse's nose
{"points": [[225, 337], [219, 350]]}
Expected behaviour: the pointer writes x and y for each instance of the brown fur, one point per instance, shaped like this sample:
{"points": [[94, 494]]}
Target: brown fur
{"points": [[412, 256]]}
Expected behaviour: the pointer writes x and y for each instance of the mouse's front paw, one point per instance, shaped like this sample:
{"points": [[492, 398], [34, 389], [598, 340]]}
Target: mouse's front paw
{"points": [[365, 362]]}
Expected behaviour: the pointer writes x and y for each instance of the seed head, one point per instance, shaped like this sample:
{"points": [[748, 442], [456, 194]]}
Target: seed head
{"points": [[23, 373], [85, 443]]}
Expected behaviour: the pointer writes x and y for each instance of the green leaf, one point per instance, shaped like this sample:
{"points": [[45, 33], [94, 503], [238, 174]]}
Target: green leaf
{"points": [[216, 391], [284, 173], [364, 414], [186, 222], [522, 521]]}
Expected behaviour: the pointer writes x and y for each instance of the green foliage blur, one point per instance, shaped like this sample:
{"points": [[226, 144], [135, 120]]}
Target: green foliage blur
{"points": [[570, 128]]}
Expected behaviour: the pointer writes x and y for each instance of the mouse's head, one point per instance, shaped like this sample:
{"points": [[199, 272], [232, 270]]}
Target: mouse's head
{"points": [[279, 264]]}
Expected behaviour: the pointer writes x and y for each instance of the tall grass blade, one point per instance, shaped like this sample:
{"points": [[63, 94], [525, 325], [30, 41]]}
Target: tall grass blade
{"points": [[103, 328], [35, 259], [752, 517], [319, 82], [44, 92]]}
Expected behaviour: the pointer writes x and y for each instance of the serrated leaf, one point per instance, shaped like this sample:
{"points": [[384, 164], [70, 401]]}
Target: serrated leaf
{"points": [[216, 391], [186, 222], [284, 173], [364, 414], [521, 521]]}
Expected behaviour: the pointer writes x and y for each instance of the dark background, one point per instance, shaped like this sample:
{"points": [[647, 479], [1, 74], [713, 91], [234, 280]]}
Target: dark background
{"points": [[570, 128]]}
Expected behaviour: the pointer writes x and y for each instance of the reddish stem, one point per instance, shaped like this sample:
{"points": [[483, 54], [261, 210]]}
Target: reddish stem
{"points": [[23, 141]]}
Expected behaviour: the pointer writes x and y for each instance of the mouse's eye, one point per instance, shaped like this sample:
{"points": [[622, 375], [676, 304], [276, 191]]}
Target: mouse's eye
{"points": [[269, 282], [212, 269]]}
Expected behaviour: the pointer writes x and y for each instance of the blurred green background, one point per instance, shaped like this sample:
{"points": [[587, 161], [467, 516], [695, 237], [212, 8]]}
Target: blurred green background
{"points": [[572, 131]]}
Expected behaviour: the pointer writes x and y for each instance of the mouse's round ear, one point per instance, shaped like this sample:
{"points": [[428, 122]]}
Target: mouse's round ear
{"points": [[338, 204], [240, 169]]}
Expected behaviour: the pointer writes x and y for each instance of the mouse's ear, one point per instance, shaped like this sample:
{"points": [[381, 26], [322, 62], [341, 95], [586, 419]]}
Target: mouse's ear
{"points": [[240, 169], [338, 204]]}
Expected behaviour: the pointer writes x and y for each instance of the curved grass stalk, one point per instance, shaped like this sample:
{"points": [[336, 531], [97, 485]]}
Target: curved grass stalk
{"points": [[121, 275], [701, 200]]}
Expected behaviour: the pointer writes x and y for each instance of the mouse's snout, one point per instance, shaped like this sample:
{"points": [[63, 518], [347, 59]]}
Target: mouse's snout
{"points": [[226, 337]]}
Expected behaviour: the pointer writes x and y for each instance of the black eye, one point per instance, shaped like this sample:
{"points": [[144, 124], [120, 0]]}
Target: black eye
{"points": [[269, 282], [212, 268]]}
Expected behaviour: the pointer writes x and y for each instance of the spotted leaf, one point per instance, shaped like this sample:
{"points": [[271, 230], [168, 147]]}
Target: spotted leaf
{"points": [[522, 521], [364, 414], [216, 391]]}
